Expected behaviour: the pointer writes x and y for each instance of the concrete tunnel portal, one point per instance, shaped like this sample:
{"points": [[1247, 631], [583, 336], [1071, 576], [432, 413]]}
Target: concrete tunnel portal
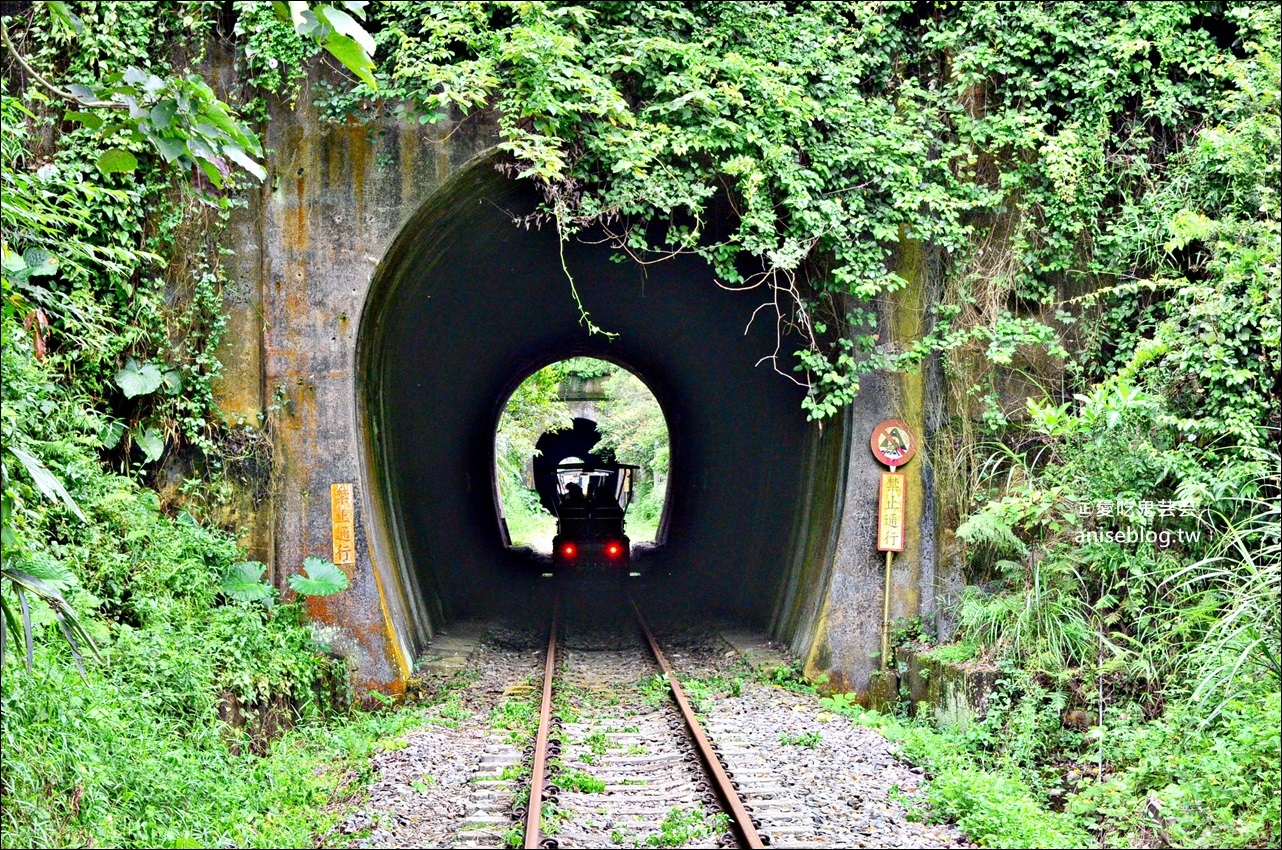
{"points": [[465, 305]]}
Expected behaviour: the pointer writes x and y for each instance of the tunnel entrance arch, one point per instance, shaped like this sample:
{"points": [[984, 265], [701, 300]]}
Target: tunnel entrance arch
{"points": [[463, 305], [619, 420]]}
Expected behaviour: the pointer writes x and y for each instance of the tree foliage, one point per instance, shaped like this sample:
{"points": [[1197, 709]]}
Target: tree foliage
{"points": [[831, 131], [632, 424]]}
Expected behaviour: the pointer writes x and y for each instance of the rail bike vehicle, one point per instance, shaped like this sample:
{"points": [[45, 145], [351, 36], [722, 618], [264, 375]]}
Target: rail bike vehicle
{"points": [[590, 501]]}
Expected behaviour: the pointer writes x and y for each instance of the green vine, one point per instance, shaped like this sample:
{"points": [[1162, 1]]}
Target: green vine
{"points": [[793, 145]]}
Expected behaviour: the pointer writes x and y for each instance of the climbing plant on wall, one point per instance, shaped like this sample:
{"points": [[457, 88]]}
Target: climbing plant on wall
{"points": [[828, 132]]}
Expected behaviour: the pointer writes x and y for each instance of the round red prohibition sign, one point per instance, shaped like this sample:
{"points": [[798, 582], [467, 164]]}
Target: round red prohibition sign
{"points": [[894, 443]]}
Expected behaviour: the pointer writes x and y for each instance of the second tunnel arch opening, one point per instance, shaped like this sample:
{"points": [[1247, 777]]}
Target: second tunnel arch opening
{"points": [[572, 412]]}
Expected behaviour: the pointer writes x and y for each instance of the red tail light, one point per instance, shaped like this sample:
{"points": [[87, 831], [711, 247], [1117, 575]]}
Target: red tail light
{"points": [[613, 550], [569, 550]]}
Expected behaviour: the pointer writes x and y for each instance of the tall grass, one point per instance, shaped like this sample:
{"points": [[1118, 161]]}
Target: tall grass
{"points": [[101, 762], [1047, 622], [1242, 578]]}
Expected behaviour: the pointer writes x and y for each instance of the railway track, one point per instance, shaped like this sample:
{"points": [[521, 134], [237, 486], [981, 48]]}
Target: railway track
{"points": [[652, 768], [624, 768]]}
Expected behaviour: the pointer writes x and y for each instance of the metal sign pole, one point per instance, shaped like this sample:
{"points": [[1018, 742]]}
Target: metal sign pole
{"points": [[885, 617]]}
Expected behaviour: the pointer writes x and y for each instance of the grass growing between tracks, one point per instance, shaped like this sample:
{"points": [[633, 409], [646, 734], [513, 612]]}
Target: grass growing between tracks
{"points": [[569, 779], [700, 691], [681, 828], [518, 716]]}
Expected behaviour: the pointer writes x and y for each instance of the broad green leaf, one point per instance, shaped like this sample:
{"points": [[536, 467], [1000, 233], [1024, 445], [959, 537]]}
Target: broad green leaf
{"points": [[321, 579], [343, 24], [151, 441], [88, 119], [63, 15], [135, 380], [40, 262], [244, 582], [208, 132], [212, 171], [162, 113], [347, 51], [153, 84], [201, 149], [170, 149], [82, 92], [12, 262], [111, 434], [116, 160], [219, 119], [238, 156], [294, 10], [173, 382], [46, 481]]}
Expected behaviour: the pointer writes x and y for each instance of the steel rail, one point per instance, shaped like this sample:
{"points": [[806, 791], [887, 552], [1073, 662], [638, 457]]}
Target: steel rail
{"points": [[535, 806], [725, 788]]}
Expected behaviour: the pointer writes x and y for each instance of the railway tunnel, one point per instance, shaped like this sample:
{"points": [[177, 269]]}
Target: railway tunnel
{"points": [[467, 305], [396, 303]]}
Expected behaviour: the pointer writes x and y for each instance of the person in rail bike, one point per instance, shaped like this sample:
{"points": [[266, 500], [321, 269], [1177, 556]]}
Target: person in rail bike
{"points": [[574, 497]]}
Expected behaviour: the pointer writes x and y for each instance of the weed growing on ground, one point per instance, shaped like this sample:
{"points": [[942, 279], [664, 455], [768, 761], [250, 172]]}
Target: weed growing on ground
{"points": [[654, 690], [790, 676], [681, 828], [514, 836], [517, 716], [577, 780], [597, 743], [511, 773], [809, 740], [451, 712]]}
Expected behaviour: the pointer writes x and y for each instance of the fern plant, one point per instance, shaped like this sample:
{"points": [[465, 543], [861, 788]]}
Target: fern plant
{"points": [[1047, 622]]}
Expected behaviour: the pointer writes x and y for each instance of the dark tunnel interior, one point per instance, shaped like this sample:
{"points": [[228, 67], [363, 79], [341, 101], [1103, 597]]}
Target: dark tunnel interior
{"points": [[466, 304]]}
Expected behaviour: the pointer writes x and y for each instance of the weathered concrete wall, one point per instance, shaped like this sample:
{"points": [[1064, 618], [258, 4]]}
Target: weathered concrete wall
{"points": [[338, 196], [830, 608], [944, 688]]}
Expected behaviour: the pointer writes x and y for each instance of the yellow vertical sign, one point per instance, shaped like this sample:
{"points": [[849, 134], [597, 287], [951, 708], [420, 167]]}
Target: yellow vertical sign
{"points": [[343, 513], [890, 514]]}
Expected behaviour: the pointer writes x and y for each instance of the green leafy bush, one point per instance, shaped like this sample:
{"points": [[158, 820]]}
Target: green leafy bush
{"points": [[997, 811], [1191, 783]]}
